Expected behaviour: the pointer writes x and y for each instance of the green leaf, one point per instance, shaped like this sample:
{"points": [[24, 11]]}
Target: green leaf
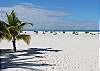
{"points": [[24, 37]]}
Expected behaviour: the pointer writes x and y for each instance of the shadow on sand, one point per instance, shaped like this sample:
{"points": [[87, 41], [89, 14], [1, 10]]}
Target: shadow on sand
{"points": [[10, 61]]}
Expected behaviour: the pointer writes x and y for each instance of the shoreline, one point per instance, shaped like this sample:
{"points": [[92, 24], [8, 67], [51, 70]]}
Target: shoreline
{"points": [[66, 30]]}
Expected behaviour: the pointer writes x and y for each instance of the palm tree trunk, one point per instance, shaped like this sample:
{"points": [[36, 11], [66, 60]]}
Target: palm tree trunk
{"points": [[14, 45]]}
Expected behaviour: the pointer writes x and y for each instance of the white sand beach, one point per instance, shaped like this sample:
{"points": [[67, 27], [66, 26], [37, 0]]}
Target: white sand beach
{"points": [[53, 52]]}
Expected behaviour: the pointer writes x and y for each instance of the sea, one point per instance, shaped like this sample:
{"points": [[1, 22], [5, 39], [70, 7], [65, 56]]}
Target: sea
{"points": [[65, 30]]}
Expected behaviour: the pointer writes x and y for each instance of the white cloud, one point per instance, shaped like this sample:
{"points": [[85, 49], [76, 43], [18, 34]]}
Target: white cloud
{"points": [[46, 19], [30, 5]]}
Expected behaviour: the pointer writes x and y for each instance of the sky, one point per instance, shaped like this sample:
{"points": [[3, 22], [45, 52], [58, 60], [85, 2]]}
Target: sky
{"points": [[56, 14]]}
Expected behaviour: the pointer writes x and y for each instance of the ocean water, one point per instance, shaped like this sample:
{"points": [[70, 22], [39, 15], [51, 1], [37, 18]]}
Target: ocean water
{"points": [[66, 30]]}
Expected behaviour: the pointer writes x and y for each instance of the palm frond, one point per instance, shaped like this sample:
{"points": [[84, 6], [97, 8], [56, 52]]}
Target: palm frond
{"points": [[4, 23], [26, 23], [20, 26], [13, 30], [1, 36], [12, 12], [7, 36], [23, 24], [12, 19], [4, 35], [3, 27], [15, 19], [24, 37], [4, 32]]}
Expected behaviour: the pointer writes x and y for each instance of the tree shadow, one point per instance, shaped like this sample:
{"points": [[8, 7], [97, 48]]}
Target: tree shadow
{"points": [[10, 60], [3, 51], [38, 51]]}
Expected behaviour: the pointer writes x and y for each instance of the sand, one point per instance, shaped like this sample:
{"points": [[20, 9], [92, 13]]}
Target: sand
{"points": [[53, 52]]}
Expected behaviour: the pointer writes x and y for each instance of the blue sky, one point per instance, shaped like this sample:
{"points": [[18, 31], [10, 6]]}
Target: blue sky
{"points": [[71, 11]]}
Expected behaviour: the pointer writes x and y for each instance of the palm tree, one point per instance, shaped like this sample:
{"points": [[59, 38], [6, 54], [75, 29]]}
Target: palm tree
{"points": [[12, 29]]}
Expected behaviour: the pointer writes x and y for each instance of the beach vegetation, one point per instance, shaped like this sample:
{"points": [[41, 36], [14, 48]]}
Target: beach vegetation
{"points": [[12, 29]]}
